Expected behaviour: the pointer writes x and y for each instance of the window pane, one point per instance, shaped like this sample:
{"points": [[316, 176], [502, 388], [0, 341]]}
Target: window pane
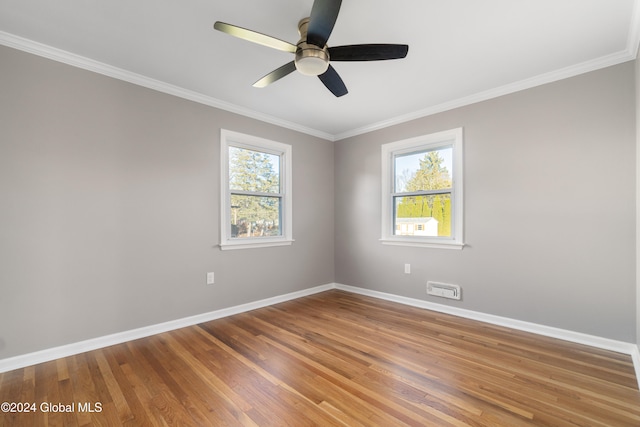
{"points": [[424, 170], [255, 216], [423, 215], [253, 171]]}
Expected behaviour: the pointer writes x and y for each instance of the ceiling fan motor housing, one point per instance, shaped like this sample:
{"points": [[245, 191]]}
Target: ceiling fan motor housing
{"points": [[311, 60]]}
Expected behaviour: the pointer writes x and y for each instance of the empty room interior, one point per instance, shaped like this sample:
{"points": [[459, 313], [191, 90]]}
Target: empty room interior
{"points": [[356, 213]]}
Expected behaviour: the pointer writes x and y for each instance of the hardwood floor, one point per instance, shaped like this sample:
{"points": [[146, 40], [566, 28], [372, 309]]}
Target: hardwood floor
{"points": [[333, 358]]}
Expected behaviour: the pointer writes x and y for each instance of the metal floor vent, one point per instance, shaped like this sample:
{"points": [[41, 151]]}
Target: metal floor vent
{"points": [[444, 290]]}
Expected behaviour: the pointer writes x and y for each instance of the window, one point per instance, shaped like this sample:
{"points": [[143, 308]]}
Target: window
{"points": [[256, 192], [422, 191]]}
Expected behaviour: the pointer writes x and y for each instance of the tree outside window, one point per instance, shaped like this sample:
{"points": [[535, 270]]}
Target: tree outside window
{"points": [[256, 202], [422, 200], [254, 182], [423, 173]]}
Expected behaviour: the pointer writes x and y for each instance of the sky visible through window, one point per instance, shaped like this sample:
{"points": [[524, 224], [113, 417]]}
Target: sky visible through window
{"points": [[408, 164]]}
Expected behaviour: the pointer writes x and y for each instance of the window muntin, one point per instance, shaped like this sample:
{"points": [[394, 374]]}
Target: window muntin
{"points": [[422, 191], [256, 188]]}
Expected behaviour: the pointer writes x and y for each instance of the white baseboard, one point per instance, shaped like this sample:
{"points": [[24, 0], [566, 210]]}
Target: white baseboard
{"points": [[47, 355], [22, 361], [548, 331], [635, 356]]}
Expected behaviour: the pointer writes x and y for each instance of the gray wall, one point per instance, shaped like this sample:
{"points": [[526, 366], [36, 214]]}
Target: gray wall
{"points": [[110, 208], [549, 208]]}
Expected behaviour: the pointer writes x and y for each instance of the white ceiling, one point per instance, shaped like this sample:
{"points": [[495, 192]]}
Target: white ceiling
{"points": [[460, 51]]}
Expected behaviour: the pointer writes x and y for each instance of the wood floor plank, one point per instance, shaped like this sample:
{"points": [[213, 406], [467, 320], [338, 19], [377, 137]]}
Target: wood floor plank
{"points": [[333, 359], [204, 366]]}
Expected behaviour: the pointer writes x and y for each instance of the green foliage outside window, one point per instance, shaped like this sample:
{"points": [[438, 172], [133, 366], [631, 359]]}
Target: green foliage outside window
{"points": [[431, 175], [254, 182]]}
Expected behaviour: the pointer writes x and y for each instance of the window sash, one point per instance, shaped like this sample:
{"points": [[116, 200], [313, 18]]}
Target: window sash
{"points": [[420, 151], [394, 219], [259, 150], [259, 220]]}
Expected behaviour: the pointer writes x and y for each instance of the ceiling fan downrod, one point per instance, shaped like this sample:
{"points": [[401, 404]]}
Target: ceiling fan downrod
{"points": [[311, 60]]}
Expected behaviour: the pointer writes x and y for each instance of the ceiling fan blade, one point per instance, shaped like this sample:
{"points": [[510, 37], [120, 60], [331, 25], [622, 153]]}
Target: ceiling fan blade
{"points": [[255, 37], [276, 74], [321, 21], [333, 82], [368, 52]]}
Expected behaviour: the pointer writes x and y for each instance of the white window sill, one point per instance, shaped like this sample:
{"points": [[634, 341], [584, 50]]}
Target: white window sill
{"points": [[254, 244], [424, 244]]}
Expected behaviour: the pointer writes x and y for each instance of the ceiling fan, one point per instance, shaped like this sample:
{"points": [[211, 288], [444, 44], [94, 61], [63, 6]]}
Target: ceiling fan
{"points": [[312, 55]]}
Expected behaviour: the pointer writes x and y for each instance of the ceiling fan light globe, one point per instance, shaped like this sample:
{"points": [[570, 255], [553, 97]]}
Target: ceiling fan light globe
{"points": [[311, 60], [312, 66]]}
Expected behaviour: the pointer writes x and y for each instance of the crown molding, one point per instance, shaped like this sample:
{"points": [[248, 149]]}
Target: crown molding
{"points": [[572, 71], [36, 48], [629, 54], [633, 39], [88, 64]]}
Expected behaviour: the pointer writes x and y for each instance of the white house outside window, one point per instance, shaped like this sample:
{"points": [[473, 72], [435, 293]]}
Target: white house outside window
{"points": [[422, 197], [256, 192]]}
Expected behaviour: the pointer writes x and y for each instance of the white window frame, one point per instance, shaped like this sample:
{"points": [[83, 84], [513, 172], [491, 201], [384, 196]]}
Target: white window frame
{"points": [[235, 139], [449, 138]]}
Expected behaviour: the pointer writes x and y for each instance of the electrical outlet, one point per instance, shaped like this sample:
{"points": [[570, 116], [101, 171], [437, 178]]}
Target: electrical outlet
{"points": [[210, 278]]}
